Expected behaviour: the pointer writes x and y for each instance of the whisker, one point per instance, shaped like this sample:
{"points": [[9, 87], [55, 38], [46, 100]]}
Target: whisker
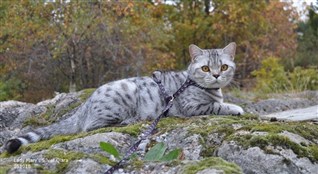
{"points": [[234, 84]]}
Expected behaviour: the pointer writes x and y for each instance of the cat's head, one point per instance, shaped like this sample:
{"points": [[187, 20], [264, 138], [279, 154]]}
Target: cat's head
{"points": [[212, 68]]}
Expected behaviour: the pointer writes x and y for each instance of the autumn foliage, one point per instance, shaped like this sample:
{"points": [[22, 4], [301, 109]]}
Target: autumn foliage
{"points": [[68, 46]]}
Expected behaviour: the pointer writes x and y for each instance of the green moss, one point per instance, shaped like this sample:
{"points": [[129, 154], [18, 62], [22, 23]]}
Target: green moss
{"points": [[86, 93], [50, 116], [314, 151], [4, 169], [64, 155], [137, 164], [102, 159], [262, 142], [43, 119], [45, 144], [169, 123], [133, 130], [208, 151], [65, 110], [214, 124], [63, 158], [5, 154], [248, 116], [304, 129], [222, 125], [212, 162]]}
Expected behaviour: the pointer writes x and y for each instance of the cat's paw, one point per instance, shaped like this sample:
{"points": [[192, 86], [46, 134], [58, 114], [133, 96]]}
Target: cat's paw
{"points": [[237, 110]]}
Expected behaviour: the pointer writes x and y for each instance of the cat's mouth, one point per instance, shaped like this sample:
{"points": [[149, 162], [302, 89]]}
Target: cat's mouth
{"points": [[215, 84]]}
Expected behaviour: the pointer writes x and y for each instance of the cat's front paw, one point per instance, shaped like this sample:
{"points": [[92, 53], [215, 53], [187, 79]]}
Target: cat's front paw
{"points": [[237, 110]]}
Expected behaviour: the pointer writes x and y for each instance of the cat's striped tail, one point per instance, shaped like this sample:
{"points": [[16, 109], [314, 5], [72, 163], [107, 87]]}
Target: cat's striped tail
{"points": [[67, 126]]}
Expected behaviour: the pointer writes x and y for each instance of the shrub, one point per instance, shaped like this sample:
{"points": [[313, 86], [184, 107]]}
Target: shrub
{"points": [[272, 77], [303, 79]]}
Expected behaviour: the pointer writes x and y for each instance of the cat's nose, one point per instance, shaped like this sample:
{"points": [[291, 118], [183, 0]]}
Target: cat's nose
{"points": [[216, 75]]}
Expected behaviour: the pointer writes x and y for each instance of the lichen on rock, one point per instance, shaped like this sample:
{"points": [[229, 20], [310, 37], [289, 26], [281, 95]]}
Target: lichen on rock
{"points": [[209, 144]]}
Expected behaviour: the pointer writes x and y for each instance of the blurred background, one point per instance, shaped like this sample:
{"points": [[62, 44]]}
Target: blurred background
{"points": [[64, 46]]}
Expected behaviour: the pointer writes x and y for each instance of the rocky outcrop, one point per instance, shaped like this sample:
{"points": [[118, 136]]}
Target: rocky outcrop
{"points": [[209, 144]]}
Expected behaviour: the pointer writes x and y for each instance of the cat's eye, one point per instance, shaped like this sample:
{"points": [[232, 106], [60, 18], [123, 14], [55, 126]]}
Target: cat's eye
{"points": [[224, 67], [205, 68]]}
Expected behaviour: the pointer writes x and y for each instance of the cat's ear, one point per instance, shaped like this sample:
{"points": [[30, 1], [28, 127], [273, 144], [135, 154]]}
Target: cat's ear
{"points": [[194, 51], [230, 49]]}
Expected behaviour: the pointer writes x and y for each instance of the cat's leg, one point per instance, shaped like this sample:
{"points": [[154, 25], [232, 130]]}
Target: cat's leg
{"points": [[97, 122], [215, 108], [227, 109]]}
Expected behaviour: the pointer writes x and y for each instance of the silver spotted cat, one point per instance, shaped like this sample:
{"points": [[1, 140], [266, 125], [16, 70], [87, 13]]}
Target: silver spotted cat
{"points": [[139, 98]]}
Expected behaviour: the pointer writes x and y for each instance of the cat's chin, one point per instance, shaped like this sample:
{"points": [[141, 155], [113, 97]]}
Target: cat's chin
{"points": [[211, 86]]}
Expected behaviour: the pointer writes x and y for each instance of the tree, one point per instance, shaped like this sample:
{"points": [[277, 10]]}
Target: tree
{"points": [[260, 28], [307, 54], [67, 46]]}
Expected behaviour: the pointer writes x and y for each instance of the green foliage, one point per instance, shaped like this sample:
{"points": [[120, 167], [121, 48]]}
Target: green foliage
{"points": [[271, 77], [109, 148], [11, 89], [307, 52], [172, 155], [303, 79], [156, 153]]}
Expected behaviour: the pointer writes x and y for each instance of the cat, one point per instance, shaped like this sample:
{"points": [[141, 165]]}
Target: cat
{"points": [[139, 98]]}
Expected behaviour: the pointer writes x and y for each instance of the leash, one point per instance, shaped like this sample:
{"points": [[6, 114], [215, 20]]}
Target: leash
{"points": [[150, 129]]}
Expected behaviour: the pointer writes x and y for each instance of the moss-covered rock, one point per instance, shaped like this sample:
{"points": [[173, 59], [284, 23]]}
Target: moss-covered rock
{"points": [[212, 163], [208, 143]]}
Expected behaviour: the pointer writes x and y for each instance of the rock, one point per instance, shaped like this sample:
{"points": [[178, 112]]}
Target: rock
{"points": [[209, 144], [255, 160], [303, 165], [296, 138], [90, 144], [12, 104], [309, 113], [11, 111], [191, 144], [210, 171], [61, 100], [27, 163], [276, 102], [85, 166], [277, 105]]}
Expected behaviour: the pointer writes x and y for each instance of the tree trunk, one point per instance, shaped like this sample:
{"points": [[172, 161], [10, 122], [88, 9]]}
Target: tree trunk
{"points": [[72, 87]]}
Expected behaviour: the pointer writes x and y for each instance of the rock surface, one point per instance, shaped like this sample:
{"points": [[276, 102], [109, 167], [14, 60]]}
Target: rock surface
{"points": [[209, 144], [309, 113]]}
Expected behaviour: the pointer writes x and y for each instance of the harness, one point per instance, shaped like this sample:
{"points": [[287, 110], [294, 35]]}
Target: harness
{"points": [[150, 129]]}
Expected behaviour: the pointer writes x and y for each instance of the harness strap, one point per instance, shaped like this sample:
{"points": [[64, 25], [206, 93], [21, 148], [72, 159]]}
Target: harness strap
{"points": [[149, 130], [162, 88]]}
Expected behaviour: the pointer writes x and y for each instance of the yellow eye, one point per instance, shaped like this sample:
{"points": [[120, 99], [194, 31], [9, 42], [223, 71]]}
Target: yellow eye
{"points": [[224, 67], [205, 68]]}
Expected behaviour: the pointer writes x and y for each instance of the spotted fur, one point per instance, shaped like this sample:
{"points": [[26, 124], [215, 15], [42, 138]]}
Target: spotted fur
{"points": [[139, 98]]}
